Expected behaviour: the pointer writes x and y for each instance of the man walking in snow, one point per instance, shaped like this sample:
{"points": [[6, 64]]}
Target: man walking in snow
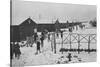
{"points": [[38, 46], [61, 34], [42, 39], [17, 50], [48, 36]]}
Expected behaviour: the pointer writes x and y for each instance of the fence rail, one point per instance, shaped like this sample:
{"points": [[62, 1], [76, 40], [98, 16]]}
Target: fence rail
{"points": [[75, 38]]}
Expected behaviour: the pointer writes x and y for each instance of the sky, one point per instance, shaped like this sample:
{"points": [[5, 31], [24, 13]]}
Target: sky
{"points": [[44, 12]]}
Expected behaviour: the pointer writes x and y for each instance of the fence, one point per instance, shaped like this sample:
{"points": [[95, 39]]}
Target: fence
{"points": [[75, 38]]}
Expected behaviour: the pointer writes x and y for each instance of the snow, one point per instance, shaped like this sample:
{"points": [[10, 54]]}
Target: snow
{"points": [[47, 56]]}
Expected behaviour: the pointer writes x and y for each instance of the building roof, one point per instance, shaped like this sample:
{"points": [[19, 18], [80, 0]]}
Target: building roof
{"points": [[28, 21]]}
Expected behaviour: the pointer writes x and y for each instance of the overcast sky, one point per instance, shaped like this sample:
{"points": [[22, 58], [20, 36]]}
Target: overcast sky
{"points": [[46, 12]]}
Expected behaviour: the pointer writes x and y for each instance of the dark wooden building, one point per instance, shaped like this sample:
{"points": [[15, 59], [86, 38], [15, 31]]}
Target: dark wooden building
{"points": [[14, 33], [26, 28], [49, 27]]}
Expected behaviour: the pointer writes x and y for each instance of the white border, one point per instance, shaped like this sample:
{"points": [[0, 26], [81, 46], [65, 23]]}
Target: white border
{"points": [[5, 31]]}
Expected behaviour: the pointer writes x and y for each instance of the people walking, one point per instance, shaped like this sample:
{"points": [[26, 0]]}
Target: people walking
{"points": [[38, 46], [42, 40], [70, 29], [61, 34], [17, 50], [48, 36]]}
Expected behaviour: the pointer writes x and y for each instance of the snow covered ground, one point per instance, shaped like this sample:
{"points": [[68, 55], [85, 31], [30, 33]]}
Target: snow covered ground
{"points": [[29, 58]]}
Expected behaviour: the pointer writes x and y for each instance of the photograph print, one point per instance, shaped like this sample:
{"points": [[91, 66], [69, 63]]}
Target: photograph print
{"points": [[43, 33]]}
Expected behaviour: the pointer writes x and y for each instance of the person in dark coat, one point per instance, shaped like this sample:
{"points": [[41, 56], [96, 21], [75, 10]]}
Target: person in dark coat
{"points": [[70, 29], [42, 39], [38, 46], [35, 36], [48, 36], [61, 34], [17, 50], [57, 34]]}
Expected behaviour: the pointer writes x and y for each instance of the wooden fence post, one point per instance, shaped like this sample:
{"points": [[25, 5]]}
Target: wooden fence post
{"points": [[89, 45], [54, 44], [78, 44], [62, 44], [70, 42]]}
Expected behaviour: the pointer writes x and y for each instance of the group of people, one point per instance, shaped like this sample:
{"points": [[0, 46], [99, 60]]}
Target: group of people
{"points": [[59, 32], [15, 47], [39, 40], [14, 50]]}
